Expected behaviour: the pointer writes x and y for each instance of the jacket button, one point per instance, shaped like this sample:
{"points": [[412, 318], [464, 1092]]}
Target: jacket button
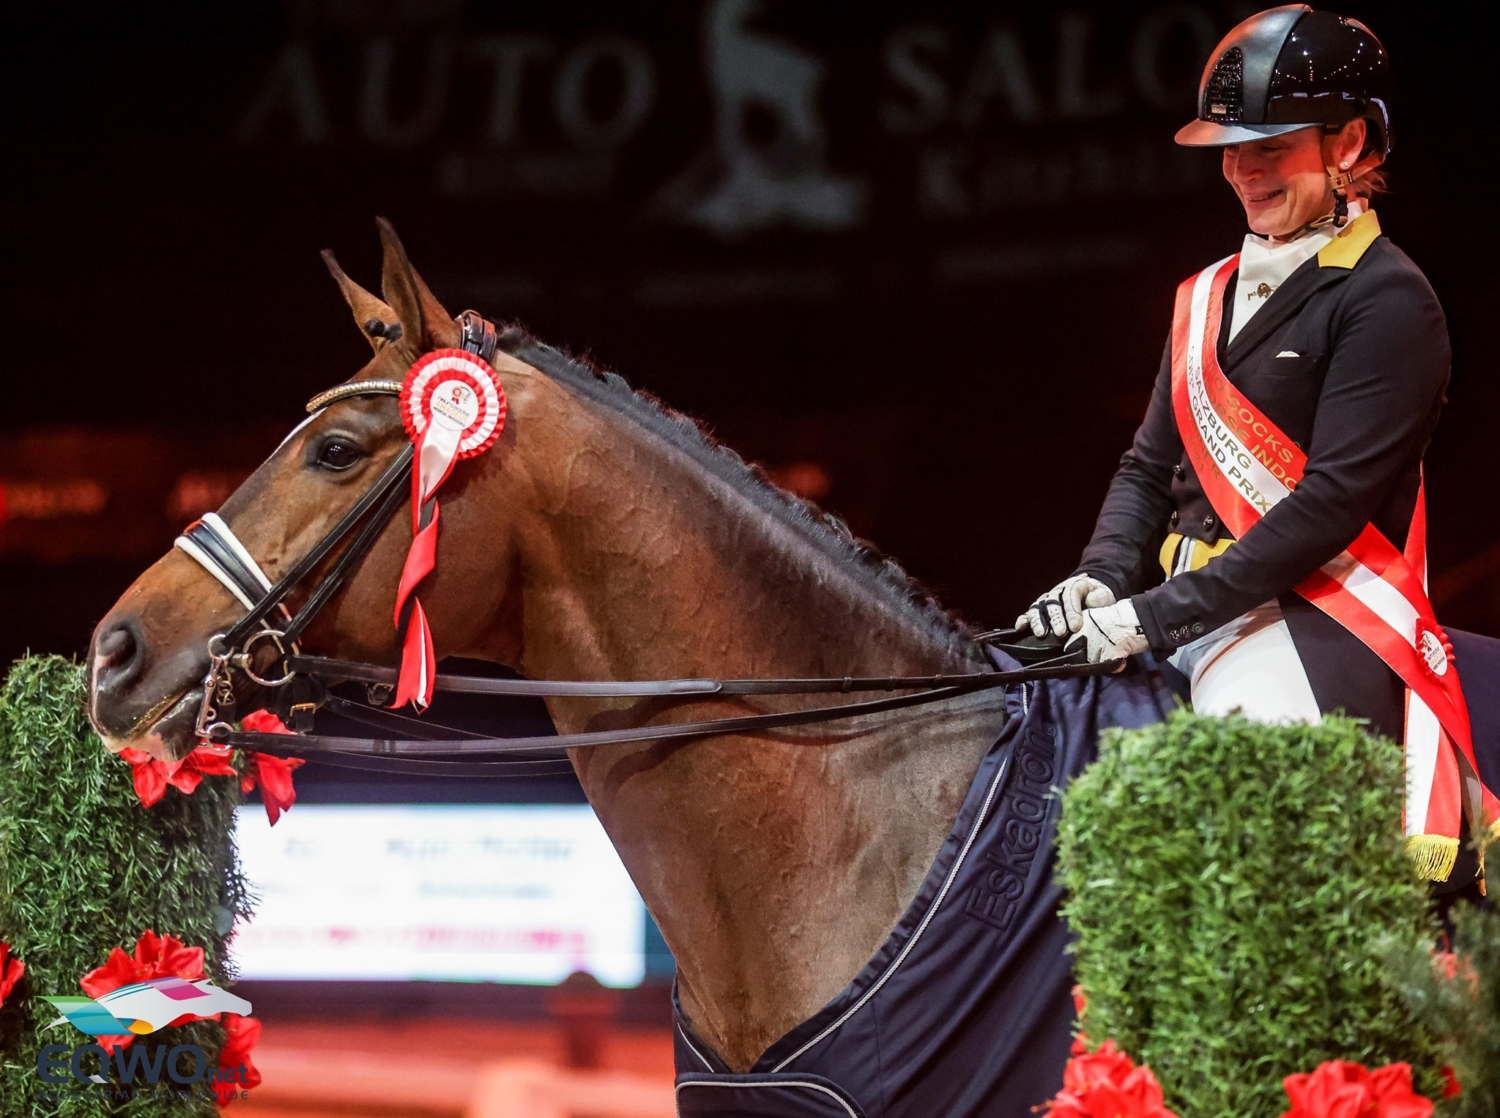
{"points": [[1197, 628], [1175, 518], [1178, 472], [1208, 523]]}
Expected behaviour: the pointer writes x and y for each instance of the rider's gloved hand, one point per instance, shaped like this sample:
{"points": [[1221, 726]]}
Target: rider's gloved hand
{"points": [[1060, 610], [1111, 633]]}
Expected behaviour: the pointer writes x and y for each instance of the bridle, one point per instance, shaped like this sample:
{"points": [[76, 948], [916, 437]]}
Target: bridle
{"points": [[300, 683]]}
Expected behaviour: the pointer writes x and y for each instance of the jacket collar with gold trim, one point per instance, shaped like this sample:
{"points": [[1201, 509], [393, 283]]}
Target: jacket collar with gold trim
{"points": [[1333, 263]]}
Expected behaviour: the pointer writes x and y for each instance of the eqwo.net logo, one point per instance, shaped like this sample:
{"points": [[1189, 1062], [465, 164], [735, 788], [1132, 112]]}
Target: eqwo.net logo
{"points": [[144, 1007], [138, 1010]]}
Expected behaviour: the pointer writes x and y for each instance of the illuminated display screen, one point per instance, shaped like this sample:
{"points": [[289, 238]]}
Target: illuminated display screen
{"points": [[500, 893]]}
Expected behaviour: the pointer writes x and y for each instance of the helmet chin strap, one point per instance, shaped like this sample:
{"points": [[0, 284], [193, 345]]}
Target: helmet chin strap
{"points": [[1340, 179]]}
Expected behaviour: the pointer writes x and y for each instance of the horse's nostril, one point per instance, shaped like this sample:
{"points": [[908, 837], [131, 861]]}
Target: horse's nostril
{"points": [[118, 652], [115, 648]]}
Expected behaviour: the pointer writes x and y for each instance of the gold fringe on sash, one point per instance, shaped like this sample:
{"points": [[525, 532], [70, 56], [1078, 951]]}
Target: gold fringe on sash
{"points": [[1434, 855]]}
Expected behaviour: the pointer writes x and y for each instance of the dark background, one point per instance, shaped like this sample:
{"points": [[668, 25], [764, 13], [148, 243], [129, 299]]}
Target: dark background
{"points": [[927, 277]]}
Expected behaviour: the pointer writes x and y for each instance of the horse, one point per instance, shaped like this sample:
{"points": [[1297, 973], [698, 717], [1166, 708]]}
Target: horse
{"points": [[606, 537]]}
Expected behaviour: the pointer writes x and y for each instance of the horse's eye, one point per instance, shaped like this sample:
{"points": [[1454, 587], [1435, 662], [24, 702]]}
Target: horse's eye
{"points": [[338, 456]]}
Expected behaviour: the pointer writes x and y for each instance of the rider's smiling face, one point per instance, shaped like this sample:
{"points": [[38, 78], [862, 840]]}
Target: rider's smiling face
{"points": [[1282, 181]]}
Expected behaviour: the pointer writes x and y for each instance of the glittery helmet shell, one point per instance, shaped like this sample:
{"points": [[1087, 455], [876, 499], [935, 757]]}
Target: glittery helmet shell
{"points": [[1288, 68]]}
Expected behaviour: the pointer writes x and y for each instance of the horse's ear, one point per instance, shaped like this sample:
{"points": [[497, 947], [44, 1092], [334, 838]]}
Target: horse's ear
{"points": [[377, 321], [425, 325]]}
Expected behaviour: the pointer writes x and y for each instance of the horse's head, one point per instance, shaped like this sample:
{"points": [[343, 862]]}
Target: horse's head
{"points": [[150, 653]]}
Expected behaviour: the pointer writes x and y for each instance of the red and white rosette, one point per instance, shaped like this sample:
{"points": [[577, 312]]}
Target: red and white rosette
{"points": [[453, 407], [1435, 651]]}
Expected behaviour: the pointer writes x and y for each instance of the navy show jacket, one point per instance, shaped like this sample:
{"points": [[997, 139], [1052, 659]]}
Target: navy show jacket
{"points": [[1350, 358]]}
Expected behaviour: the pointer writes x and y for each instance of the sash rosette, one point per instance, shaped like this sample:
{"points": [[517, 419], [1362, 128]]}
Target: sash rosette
{"points": [[453, 407], [1248, 465]]}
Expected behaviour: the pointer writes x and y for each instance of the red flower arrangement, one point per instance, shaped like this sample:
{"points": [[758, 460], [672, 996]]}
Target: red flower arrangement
{"points": [[153, 776], [236, 1073], [11, 971], [1106, 1084], [160, 957], [1343, 1089], [155, 957], [273, 775]]}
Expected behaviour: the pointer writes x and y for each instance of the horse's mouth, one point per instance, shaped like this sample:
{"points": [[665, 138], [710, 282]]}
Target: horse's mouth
{"points": [[167, 732]]}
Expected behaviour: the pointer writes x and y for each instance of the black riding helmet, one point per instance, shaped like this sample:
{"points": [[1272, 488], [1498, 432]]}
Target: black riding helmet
{"points": [[1288, 68]]}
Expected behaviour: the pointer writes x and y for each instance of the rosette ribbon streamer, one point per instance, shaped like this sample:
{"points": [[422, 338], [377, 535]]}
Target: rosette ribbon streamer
{"points": [[453, 407]]}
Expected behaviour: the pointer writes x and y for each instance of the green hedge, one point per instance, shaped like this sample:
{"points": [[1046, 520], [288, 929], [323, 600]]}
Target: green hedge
{"points": [[1233, 888], [84, 868]]}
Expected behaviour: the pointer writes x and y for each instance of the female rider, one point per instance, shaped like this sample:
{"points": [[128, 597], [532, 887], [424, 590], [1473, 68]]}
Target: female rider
{"points": [[1327, 358]]}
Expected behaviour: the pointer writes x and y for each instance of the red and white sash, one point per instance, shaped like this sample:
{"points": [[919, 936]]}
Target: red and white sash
{"points": [[1246, 466]]}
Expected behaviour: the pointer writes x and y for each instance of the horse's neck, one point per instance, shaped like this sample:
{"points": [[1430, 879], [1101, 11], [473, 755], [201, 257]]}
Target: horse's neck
{"points": [[655, 563], [774, 865]]}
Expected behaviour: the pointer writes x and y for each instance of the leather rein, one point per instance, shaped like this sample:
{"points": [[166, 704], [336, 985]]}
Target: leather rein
{"points": [[300, 683]]}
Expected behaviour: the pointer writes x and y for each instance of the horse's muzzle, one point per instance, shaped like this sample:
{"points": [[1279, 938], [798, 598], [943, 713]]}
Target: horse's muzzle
{"points": [[138, 698]]}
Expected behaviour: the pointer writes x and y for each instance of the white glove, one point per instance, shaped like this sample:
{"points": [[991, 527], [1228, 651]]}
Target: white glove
{"points": [[1111, 633], [1060, 610]]}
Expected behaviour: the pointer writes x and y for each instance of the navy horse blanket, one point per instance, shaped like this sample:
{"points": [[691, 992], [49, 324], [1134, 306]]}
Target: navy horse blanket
{"points": [[966, 1011]]}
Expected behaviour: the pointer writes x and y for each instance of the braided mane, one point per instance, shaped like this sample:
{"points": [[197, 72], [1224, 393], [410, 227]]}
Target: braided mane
{"points": [[823, 529]]}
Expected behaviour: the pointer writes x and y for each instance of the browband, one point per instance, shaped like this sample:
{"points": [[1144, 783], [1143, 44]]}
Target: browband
{"points": [[353, 388]]}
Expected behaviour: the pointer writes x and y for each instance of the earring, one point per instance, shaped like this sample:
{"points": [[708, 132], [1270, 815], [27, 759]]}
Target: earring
{"points": [[1344, 166]]}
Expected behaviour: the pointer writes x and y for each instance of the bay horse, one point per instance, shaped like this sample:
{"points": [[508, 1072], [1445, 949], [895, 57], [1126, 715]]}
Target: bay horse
{"points": [[605, 537]]}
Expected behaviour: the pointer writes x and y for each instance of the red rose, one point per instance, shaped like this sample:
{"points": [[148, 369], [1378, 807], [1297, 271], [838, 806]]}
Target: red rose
{"points": [[1394, 1097], [155, 957], [11, 971], [1451, 1086], [274, 775], [264, 722], [1106, 1084], [1343, 1089], [153, 776], [241, 1033]]}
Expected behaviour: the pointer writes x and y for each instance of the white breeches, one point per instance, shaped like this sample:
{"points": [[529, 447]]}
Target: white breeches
{"points": [[1249, 665]]}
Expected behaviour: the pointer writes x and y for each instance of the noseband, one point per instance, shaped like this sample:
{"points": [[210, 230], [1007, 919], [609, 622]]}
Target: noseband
{"points": [[300, 683]]}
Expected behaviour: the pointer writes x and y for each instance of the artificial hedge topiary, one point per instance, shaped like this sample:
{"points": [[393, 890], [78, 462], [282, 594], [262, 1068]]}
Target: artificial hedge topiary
{"points": [[1234, 887], [84, 868]]}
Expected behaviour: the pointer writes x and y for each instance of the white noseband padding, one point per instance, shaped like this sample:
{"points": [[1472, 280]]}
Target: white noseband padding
{"points": [[212, 530]]}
